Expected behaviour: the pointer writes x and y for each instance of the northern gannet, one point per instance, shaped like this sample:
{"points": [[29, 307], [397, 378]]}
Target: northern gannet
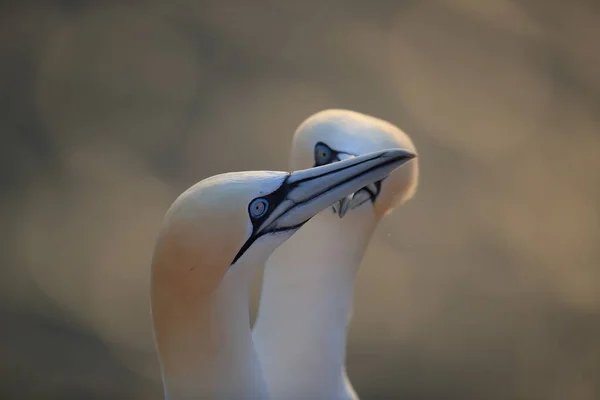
{"points": [[212, 240], [308, 282]]}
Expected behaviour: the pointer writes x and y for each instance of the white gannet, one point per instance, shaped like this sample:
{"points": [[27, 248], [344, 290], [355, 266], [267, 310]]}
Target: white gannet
{"points": [[308, 282], [211, 242]]}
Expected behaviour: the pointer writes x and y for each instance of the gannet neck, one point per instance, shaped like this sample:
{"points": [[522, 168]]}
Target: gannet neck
{"points": [[236, 358], [306, 305], [203, 338]]}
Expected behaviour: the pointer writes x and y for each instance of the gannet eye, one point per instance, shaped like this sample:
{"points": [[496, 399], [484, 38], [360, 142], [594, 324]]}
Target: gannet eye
{"points": [[323, 154], [258, 207]]}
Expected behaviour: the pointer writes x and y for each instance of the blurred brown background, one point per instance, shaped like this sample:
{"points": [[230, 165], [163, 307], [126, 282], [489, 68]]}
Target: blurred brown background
{"points": [[485, 286]]}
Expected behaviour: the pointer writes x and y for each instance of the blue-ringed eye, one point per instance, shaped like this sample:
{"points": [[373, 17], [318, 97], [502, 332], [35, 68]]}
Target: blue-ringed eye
{"points": [[258, 207], [323, 154]]}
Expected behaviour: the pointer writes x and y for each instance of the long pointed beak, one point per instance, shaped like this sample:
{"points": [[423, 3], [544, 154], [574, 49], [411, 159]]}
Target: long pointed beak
{"points": [[311, 190]]}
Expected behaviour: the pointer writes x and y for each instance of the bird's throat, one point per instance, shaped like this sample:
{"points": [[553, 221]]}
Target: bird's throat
{"points": [[205, 345], [306, 305]]}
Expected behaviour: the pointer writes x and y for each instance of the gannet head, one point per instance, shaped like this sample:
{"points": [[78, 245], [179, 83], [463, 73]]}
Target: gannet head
{"points": [[215, 224], [335, 135]]}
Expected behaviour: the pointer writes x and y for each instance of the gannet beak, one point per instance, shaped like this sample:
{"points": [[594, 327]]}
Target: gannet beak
{"points": [[309, 191]]}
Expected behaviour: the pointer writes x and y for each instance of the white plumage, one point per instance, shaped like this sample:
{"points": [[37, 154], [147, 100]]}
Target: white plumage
{"points": [[308, 283]]}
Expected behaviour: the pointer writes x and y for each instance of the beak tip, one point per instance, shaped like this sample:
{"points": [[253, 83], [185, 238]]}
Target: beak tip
{"points": [[400, 154]]}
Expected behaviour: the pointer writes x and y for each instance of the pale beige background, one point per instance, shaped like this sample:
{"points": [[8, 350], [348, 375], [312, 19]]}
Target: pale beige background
{"points": [[485, 286]]}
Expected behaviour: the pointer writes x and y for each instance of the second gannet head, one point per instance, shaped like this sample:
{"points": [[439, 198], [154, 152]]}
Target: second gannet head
{"points": [[334, 135]]}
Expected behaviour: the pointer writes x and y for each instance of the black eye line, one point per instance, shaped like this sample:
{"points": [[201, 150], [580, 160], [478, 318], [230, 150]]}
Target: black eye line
{"points": [[273, 199]]}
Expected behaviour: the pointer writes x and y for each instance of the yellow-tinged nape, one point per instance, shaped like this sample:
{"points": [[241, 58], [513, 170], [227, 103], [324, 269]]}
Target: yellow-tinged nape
{"points": [[356, 134], [200, 235]]}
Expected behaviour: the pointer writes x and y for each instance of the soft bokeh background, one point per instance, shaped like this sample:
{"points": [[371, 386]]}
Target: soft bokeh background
{"points": [[485, 286]]}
